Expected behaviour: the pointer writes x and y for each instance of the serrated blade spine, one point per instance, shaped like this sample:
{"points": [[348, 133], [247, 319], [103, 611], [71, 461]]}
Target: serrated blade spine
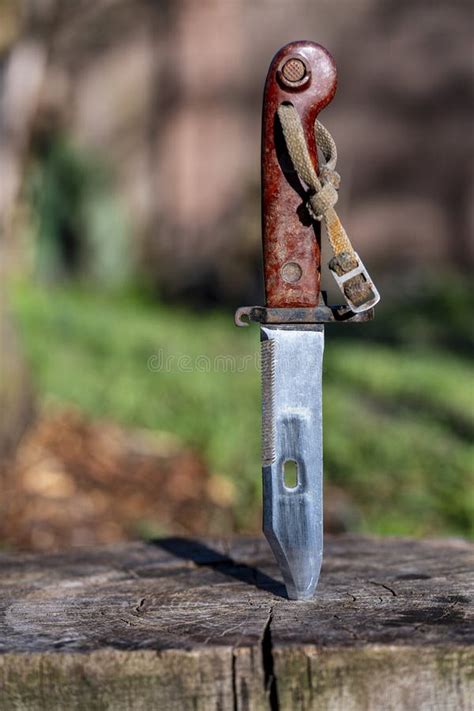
{"points": [[268, 402]]}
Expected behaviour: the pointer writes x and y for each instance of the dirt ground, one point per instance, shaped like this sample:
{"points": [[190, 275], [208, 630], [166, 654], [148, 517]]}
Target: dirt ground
{"points": [[78, 482]]}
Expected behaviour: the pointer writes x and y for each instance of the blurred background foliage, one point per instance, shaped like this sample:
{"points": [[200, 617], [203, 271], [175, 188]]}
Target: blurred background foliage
{"points": [[130, 232]]}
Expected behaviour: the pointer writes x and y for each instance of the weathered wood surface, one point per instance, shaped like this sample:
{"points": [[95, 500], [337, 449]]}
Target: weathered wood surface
{"points": [[204, 625]]}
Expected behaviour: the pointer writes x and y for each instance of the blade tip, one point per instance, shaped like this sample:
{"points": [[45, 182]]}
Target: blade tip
{"points": [[301, 595]]}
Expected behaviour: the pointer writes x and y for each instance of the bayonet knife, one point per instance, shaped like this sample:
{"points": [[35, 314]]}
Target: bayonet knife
{"points": [[302, 75]]}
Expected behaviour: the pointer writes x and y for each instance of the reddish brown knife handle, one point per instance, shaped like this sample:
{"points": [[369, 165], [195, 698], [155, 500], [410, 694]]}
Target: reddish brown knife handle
{"points": [[304, 74]]}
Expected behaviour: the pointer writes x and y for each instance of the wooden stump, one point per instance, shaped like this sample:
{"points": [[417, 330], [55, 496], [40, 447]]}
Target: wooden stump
{"points": [[203, 625]]}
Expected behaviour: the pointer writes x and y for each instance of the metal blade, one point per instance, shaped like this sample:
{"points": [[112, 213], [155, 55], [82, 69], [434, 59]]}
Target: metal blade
{"points": [[292, 431]]}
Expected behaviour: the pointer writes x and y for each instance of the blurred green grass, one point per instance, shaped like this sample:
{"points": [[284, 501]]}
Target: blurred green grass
{"points": [[398, 406]]}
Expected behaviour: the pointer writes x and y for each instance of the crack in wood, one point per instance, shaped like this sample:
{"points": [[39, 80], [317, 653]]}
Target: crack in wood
{"points": [[234, 681], [139, 607], [269, 677], [382, 585]]}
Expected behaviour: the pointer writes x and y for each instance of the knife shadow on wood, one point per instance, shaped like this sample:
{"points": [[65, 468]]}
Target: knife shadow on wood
{"points": [[202, 555]]}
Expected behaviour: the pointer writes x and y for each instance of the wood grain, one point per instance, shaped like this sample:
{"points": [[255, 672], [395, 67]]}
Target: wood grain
{"points": [[200, 624]]}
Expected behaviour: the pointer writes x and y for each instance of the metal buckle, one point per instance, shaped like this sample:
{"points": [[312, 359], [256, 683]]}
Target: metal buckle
{"points": [[360, 269]]}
